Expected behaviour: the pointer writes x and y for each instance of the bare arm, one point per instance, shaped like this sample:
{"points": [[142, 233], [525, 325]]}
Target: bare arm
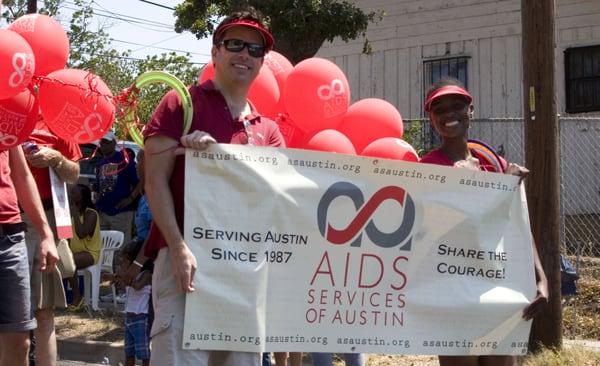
{"points": [[46, 157], [127, 275], [541, 297], [160, 161], [29, 199], [143, 280], [542, 294], [87, 227]]}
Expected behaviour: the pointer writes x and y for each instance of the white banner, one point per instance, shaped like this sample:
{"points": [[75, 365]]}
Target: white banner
{"points": [[307, 251], [60, 202]]}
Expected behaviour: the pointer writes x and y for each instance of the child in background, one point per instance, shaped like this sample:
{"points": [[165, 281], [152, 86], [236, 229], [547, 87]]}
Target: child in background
{"points": [[137, 313], [86, 242]]}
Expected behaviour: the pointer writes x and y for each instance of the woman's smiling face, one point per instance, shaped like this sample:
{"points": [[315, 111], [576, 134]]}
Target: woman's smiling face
{"points": [[450, 115]]}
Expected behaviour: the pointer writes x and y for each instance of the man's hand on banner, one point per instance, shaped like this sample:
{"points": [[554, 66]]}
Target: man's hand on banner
{"points": [[198, 140], [184, 266]]}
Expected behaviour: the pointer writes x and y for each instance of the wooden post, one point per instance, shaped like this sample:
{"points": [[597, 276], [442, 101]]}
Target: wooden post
{"points": [[542, 158]]}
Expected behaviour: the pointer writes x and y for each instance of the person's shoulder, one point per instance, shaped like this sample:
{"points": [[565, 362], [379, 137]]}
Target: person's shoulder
{"points": [[434, 157], [202, 90], [172, 98], [91, 212]]}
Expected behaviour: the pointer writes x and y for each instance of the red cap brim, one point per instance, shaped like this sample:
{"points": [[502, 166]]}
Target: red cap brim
{"points": [[267, 36], [446, 90]]}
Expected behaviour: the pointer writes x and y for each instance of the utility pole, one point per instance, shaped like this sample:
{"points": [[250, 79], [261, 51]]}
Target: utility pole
{"points": [[542, 159], [31, 6]]}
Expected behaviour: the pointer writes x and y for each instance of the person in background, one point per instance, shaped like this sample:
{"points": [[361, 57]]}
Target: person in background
{"points": [[223, 114], [281, 358], [17, 187], [143, 220], [86, 242], [137, 313], [450, 112], [116, 187], [45, 151]]}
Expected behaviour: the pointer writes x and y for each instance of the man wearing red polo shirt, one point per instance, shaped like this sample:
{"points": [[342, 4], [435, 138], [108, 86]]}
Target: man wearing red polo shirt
{"points": [[222, 114]]}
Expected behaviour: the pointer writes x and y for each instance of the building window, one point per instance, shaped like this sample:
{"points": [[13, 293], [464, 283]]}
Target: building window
{"points": [[582, 79], [455, 67]]}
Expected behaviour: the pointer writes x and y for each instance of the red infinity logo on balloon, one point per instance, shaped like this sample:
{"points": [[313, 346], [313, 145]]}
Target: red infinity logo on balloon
{"points": [[88, 128], [366, 210]]}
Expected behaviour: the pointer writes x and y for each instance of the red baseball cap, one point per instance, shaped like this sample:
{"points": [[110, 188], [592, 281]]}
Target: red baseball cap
{"points": [[264, 32], [446, 90]]}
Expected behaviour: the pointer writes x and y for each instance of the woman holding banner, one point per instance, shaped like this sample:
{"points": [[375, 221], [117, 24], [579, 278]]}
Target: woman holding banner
{"points": [[450, 112]]}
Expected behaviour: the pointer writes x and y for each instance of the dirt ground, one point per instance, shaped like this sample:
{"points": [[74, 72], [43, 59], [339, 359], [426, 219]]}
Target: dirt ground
{"points": [[581, 320]]}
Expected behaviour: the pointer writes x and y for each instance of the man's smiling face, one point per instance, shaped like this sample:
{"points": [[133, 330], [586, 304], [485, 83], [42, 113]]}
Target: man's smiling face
{"points": [[238, 67]]}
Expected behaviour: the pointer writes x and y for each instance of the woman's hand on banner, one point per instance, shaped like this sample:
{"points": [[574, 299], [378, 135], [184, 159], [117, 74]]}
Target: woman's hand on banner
{"points": [[538, 303], [519, 171]]}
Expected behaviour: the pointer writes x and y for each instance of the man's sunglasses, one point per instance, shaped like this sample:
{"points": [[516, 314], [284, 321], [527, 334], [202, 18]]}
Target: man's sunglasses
{"points": [[237, 45]]}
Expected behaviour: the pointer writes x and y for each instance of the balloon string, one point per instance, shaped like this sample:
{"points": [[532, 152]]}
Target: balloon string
{"points": [[121, 165]]}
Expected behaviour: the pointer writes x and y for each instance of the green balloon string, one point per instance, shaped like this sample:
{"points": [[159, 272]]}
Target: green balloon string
{"points": [[151, 77]]}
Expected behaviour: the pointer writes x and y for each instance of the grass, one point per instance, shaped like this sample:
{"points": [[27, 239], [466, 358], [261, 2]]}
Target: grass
{"points": [[572, 356], [106, 326]]}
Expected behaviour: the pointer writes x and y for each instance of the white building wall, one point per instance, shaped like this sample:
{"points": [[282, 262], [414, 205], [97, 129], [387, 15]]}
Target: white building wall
{"points": [[487, 31]]}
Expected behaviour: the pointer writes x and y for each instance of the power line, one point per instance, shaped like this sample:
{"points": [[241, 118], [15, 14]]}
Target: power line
{"points": [[155, 43], [108, 56], [132, 22], [156, 4], [160, 48], [132, 17], [135, 21]]}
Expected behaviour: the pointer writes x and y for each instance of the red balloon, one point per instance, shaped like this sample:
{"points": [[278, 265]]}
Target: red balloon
{"points": [[279, 66], [391, 148], [330, 141], [207, 72], [16, 63], [18, 116], [293, 136], [263, 93], [47, 39], [76, 105], [316, 94], [370, 119]]}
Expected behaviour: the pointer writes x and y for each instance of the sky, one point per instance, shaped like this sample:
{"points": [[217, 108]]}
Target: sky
{"points": [[143, 28]]}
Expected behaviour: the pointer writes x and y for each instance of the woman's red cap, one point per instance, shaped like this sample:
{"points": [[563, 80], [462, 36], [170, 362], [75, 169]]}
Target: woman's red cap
{"points": [[267, 36], [446, 90]]}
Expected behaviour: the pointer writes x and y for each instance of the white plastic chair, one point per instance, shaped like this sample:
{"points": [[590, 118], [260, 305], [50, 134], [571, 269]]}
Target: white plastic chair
{"points": [[112, 240]]}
